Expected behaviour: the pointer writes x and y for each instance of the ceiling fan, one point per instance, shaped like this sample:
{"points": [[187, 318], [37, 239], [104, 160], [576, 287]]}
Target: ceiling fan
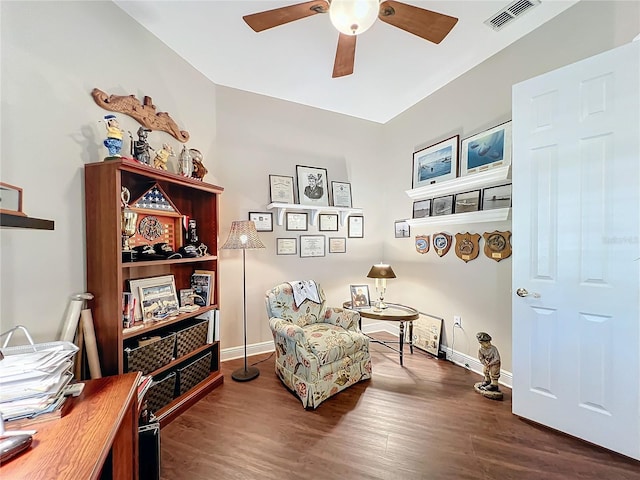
{"points": [[352, 17]]}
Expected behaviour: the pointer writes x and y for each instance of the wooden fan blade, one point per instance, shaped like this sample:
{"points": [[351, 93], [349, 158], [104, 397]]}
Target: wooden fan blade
{"points": [[279, 16], [345, 56], [431, 26]]}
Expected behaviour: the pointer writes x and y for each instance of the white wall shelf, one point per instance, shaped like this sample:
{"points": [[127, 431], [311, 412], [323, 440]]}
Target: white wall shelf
{"points": [[281, 209], [462, 184], [496, 215]]}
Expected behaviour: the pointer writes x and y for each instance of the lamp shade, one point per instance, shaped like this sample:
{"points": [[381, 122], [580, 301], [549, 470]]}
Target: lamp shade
{"points": [[381, 270], [353, 17], [243, 235]]}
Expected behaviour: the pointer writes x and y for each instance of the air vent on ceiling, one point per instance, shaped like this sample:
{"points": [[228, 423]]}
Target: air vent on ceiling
{"points": [[510, 12]]}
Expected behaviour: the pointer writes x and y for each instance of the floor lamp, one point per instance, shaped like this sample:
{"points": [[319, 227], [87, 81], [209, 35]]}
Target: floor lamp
{"points": [[243, 235]]}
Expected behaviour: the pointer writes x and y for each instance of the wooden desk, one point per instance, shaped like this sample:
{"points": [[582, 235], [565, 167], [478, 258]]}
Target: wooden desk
{"points": [[393, 313], [97, 438]]}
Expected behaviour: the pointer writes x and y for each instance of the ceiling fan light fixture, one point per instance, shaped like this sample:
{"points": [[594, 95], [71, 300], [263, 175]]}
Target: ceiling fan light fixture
{"points": [[353, 17]]}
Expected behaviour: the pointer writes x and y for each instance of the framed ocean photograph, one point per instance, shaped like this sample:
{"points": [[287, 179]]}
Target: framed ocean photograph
{"points": [[436, 163], [486, 150], [496, 197]]}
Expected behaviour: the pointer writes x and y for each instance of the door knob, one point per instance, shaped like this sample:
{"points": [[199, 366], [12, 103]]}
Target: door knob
{"points": [[522, 292]]}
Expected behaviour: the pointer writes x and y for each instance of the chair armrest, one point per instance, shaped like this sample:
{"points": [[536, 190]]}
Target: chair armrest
{"points": [[287, 330], [347, 319]]}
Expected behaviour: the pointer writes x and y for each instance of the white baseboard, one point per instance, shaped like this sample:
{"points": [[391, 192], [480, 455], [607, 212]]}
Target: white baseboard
{"points": [[460, 359]]}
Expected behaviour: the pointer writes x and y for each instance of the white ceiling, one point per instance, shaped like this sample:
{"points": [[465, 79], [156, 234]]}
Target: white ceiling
{"points": [[393, 69]]}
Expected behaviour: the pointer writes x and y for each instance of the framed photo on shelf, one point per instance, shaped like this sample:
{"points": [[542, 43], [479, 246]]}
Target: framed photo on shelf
{"points": [[496, 197], [328, 222], [467, 202], [355, 227], [341, 194], [436, 163], [312, 246], [337, 245], [360, 296], [286, 246], [10, 199], [297, 221], [263, 221], [443, 205], [402, 229], [281, 189], [312, 186], [422, 208], [486, 150], [136, 284], [155, 298]]}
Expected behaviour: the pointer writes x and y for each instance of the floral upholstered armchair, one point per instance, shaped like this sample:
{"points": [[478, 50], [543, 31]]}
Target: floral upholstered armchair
{"points": [[320, 350]]}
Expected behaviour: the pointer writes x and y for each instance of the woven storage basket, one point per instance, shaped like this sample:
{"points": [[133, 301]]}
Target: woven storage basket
{"points": [[193, 373], [150, 357], [190, 338], [161, 392]]}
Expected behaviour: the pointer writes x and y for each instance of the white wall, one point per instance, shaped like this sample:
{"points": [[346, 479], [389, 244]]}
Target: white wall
{"points": [[54, 53]]}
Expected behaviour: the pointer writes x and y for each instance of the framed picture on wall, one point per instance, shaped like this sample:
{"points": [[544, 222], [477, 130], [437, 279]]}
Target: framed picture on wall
{"points": [[467, 202], [422, 208], [312, 186], [312, 246], [496, 197], [443, 205], [486, 150], [281, 189], [355, 226], [341, 194], [328, 222], [402, 229], [297, 221], [263, 221], [337, 245], [286, 246], [436, 163]]}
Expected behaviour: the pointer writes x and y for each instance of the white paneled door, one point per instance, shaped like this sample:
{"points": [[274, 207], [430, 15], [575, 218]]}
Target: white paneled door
{"points": [[576, 255]]}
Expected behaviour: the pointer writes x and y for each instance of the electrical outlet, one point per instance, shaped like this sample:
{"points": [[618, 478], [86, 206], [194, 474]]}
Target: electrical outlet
{"points": [[457, 321]]}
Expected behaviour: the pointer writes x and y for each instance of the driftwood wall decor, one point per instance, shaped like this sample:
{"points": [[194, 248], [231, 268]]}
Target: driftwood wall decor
{"points": [[144, 113]]}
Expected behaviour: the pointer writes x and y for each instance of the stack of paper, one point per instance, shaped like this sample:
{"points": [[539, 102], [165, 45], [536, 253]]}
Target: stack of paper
{"points": [[32, 379]]}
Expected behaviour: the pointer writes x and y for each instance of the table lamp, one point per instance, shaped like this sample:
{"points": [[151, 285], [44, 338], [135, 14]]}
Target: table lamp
{"points": [[243, 235], [381, 272]]}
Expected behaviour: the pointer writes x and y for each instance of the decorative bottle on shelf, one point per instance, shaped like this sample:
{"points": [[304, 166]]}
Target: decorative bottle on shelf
{"points": [[186, 162]]}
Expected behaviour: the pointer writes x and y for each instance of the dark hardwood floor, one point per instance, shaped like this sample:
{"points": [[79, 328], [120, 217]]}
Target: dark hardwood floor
{"points": [[420, 421]]}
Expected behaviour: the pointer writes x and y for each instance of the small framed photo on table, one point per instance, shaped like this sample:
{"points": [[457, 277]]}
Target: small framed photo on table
{"points": [[355, 226], [263, 221], [341, 194], [337, 245], [281, 189], [328, 222], [312, 186], [312, 246], [360, 296], [286, 246], [297, 221]]}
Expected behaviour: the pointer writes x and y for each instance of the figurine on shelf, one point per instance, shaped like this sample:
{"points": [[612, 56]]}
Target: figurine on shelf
{"points": [[490, 358], [199, 170], [186, 162], [162, 156], [113, 142], [141, 147]]}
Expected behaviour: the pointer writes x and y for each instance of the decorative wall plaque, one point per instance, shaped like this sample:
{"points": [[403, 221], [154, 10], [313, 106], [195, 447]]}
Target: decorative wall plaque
{"points": [[467, 246], [441, 243], [422, 243], [497, 245], [144, 113]]}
